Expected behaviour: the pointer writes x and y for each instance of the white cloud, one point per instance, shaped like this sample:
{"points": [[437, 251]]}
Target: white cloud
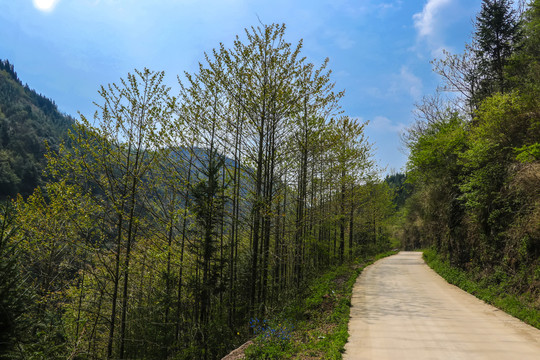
{"points": [[384, 124], [430, 24], [45, 5], [426, 21]]}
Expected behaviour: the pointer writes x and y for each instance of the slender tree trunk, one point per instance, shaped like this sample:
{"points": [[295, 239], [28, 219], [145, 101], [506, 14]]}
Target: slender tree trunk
{"points": [[168, 286], [283, 268], [342, 222], [351, 226], [130, 236], [182, 247], [256, 220], [234, 224], [92, 343], [115, 287]]}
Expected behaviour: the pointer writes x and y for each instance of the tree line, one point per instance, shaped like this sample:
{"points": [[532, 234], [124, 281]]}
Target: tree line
{"points": [[474, 158], [170, 221]]}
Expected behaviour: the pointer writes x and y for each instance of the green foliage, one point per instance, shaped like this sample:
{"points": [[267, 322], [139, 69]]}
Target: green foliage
{"points": [[434, 154], [500, 127], [50, 248], [497, 128], [15, 294], [523, 70], [435, 171], [401, 188], [528, 153]]}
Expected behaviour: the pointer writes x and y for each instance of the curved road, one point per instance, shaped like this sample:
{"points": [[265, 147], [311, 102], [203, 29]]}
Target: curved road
{"points": [[401, 309]]}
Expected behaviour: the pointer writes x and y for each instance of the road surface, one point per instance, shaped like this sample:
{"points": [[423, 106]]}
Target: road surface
{"points": [[401, 309]]}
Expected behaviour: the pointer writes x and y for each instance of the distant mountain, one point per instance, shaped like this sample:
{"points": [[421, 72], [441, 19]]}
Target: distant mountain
{"points": [[27, 121]]}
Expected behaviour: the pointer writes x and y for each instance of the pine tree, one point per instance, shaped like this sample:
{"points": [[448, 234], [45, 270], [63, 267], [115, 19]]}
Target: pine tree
{"points": [[495, 40]]}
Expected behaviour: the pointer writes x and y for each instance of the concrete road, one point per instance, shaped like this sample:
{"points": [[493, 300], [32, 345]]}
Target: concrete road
{"points": [[401, 309]]}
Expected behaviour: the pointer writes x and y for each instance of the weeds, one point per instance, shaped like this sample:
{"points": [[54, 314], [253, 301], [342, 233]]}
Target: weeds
{"points": [[494, 289]]}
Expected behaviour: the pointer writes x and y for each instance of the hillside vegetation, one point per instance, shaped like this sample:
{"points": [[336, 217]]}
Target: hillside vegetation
{"points": [[475, 159], [28, 121]]}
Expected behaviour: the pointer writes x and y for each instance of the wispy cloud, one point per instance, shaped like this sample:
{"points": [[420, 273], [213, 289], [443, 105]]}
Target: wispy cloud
{"points": [[385, 7], [407, 82], [429, 24], [384, 124], [356, 9]]}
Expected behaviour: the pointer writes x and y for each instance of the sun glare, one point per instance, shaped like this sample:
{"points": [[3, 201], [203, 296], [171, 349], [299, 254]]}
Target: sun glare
{"points": [[45, 5]]}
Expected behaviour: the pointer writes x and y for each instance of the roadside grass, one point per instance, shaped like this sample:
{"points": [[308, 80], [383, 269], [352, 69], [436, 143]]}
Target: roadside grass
{"points": [[316, 326], [494, 290]]}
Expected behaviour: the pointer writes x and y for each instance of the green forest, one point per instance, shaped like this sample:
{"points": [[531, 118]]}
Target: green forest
{"points": [[179, 225], [165, 225]]}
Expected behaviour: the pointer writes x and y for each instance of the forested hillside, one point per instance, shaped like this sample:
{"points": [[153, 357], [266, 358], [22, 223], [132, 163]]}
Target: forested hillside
{"points": [[27, 122], [171, 220], [475, 157]]}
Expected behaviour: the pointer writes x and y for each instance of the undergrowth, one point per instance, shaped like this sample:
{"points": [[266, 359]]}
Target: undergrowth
{"points": [[494, 289], [313, 327]]}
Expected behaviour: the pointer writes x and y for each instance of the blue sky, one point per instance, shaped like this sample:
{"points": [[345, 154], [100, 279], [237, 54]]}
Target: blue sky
{"points": [[379, 50]]}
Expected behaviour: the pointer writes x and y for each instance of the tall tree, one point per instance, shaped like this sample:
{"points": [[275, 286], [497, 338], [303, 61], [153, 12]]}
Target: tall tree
{"points": [[497, 34], [114, 159], [352, 154], [317, 103], [268, 68]]}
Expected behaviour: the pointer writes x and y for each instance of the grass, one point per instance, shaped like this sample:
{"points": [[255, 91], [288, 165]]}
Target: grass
{"points": [[318, 323], [492, 291]]}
